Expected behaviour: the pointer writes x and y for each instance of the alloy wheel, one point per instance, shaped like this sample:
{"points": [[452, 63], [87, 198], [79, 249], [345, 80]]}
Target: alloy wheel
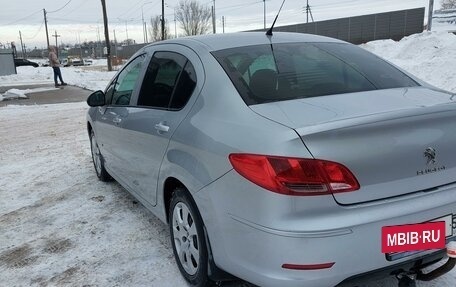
{"points": [[186, 238]]}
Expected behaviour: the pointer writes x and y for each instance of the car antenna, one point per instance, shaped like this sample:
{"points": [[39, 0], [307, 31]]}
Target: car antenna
{"points": [[269, 32]]}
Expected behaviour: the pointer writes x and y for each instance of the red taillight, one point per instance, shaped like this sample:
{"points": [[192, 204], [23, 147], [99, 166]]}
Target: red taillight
{"points": [[294, 176]]}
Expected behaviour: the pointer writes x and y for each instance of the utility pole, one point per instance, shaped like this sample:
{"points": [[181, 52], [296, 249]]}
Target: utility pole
{"points": [[145, 28], [108, 44], [309, 11], [143, 24], [213, 17], [46, 25], [22, 45], [430, 12], [163, 20], [223, 24], [115, 42], [264, 13], [57, 49], [175, 24], [126, 31]]}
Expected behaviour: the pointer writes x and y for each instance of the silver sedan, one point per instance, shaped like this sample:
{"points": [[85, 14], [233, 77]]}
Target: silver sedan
{"points": [[283, 160]]}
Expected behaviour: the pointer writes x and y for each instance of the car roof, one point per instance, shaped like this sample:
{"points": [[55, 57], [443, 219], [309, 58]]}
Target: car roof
{"points": [[214, 42]]}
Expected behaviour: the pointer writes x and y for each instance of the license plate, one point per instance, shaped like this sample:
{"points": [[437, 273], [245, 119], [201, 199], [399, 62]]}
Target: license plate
{"points": [[416, 237]]}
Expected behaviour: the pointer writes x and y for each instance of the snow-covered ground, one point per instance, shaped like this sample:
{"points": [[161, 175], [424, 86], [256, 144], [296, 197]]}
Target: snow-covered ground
{"points": [[60, 226], [83, 77]]}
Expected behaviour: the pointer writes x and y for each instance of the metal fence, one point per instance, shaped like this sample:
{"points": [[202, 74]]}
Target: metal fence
{"points": [[361, 29]]}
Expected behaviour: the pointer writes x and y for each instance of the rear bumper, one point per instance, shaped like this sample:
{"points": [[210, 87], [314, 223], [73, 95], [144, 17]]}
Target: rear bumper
{"points": [[379, 274], [254, 232]]}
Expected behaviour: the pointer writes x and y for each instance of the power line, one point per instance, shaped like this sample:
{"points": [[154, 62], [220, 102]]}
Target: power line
{"points": [[36, 34], [60, 7], [73, 20], [76, 8], [19, 20], [239, 5], [132, 9]]}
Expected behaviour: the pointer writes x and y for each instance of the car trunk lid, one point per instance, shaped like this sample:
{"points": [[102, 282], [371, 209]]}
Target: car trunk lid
{"points": [[395, 142]]}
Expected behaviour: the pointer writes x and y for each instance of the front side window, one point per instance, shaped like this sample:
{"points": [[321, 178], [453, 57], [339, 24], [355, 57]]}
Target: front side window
{"points": [[126, 81], [169, 82], [269, 73]]}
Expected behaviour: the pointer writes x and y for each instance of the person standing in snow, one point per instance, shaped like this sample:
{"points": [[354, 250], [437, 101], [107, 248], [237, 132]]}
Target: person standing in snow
{"points": [[55, 64]]}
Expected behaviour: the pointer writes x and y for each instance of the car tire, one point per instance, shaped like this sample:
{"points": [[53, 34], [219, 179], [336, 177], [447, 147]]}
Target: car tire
{"points": [[188, 239], [97, 159]]}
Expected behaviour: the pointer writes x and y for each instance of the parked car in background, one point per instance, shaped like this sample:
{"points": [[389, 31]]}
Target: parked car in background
{"points": [[18, 62], [278, 159], [88, 62], [77, 61], [72, 61]]}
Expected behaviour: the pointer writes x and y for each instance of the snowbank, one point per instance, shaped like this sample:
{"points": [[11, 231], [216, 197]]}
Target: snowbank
{"points": [[431, 56]]}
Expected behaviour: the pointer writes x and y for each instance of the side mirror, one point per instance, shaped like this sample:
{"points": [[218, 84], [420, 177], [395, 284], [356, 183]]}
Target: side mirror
{"points": [[96, 99]]}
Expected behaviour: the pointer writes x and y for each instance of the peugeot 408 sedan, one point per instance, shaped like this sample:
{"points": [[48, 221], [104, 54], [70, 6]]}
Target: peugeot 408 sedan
{"points": [[282, 160]]}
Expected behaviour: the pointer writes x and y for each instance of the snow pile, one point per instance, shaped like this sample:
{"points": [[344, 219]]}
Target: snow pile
{"points": [[431, 56], [87, 79], [13, 94], [22, 94]]}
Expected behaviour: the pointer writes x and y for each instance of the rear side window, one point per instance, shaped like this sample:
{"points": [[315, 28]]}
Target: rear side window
{"points": [[268, 73], [169, 82]]}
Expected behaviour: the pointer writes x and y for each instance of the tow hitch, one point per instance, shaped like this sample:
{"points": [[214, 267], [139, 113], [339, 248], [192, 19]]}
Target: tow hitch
{"points": [[408, 279]]}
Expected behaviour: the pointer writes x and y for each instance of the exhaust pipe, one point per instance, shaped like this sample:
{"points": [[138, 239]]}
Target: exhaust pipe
{"points": [[445, 268]]}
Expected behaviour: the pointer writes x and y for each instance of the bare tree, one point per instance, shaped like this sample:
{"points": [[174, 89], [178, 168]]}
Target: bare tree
{"points": [[193, 17], [155, 29], [448, 4]]}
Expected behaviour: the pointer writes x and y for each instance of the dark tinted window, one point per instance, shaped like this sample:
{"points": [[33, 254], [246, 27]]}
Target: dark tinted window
{"points": [[170, 78], [184, 87], [126, 81], [266, 73], [379, 72]]}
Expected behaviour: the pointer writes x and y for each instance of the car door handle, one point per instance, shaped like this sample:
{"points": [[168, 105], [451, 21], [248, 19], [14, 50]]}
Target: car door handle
{"points": [[117, 120], [162, 127]]}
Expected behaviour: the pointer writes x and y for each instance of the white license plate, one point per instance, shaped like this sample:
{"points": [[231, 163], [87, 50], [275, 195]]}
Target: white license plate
{"points": [[448, 219]]}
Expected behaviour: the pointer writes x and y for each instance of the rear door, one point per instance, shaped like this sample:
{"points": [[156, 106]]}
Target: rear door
{"points": [[163, 101]]}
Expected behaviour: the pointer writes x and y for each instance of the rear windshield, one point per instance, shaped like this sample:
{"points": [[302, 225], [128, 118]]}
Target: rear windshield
{"points": [[278, 72]]}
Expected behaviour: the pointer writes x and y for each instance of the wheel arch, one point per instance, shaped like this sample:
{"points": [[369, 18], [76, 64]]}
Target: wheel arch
{"points": [[170, 186]]}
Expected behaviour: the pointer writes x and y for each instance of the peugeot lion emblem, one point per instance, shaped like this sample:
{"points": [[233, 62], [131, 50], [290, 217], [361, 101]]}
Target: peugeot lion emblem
{"points": [[429, 153]]}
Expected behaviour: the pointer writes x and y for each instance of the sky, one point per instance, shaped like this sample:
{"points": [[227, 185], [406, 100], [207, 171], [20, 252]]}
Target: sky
{"points": [[82, 20]]}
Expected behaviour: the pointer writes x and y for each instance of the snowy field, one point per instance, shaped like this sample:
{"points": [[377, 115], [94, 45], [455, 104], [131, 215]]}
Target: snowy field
{"points": [[60, 226]]}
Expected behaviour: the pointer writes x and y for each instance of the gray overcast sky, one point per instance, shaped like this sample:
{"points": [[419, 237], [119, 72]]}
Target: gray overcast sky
{"points": [[80, 20]]}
